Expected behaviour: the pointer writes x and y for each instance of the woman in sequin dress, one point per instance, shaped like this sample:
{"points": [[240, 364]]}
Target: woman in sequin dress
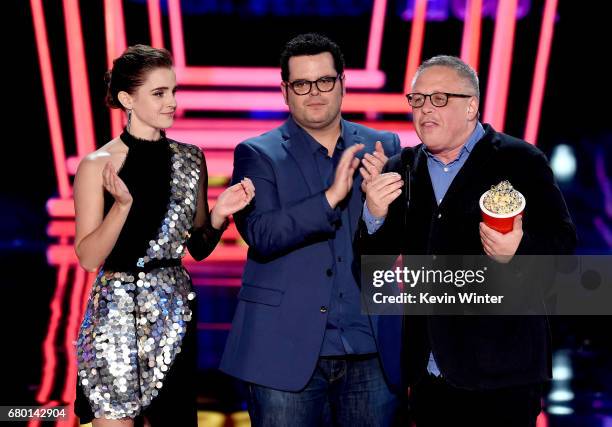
{"points": [[140, 202]]}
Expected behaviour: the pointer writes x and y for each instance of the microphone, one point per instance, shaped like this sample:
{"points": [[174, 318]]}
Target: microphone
{"points": [[407, 162]]}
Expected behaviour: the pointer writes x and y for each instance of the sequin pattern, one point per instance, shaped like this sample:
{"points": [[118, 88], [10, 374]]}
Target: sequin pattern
{"points": [[135, 321], [170, 242]]}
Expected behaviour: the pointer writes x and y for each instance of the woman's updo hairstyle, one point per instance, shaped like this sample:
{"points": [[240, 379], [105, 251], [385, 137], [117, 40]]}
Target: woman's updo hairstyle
{"points": [[130, 70]]}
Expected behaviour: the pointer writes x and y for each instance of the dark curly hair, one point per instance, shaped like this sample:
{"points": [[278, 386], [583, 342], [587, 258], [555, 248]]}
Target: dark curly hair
{"points": [[130, 69], [310, 44]]}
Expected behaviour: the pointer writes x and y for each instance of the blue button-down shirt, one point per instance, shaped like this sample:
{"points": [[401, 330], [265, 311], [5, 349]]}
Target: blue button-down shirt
{"points": [[348, 331], [441, 176]]}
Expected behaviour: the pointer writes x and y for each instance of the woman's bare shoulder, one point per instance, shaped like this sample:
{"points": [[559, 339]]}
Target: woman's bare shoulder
{"points": [[113, 151]]}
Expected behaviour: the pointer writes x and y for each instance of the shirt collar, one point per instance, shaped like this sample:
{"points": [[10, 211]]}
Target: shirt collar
{"points": [[474, 137], [315, 146]]}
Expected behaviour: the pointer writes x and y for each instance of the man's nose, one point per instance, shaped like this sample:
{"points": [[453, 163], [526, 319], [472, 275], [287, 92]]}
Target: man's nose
{"points": [[427, 105]]}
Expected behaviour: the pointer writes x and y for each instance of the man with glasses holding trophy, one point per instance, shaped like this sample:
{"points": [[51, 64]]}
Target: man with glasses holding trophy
{"points": [[467, 370]]}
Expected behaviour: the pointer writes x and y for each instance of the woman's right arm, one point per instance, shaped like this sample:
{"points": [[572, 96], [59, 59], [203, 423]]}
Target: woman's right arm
{"points": [[96, 234]]}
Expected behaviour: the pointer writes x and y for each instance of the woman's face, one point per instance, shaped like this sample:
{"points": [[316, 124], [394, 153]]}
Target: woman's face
{"points": [[153, 104]]}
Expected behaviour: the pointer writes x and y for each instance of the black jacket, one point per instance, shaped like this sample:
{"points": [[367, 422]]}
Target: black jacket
{"points": [[475, 352]]}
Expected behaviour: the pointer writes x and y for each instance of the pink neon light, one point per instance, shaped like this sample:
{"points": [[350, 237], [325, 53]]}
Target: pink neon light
{"points": [[222, 282], [66, 228], [227, 140], [64, 254], [256, 125], [215, 138], [214, 326], [417, 35], [370, 78], [265, 77], [176, 33], [155, 25], [218, 137], [377, 26], [542, 420], [501, 61], [470, 46], [79, 85], [116, 122], [539, 76], [225, 124], [48, 83], [70, 420], [219, 162], [60, 228], [273, 101], [115, 45], [70, 334], [60, 207], [50, 361]]}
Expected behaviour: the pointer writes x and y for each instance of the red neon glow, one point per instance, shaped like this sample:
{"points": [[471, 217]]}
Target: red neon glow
{"points": [[70, 420], [209, 326], [115, 45], [370, 78], [222, 282], [66, 228], [470, 46], [542, 420], [539, 75], [79, 82], [265, 77], [48, 347], [501, 62], [273, 101], [377, 26], [155, 25], [70, 334], [230, 138], [48, 83], [60, 208], [256, 125], [60, 254], [417, 35], [176, 33]]}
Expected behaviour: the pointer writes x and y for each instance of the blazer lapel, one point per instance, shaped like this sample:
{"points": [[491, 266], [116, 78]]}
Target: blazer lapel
{"points": [[298, 148], [351, 137]]}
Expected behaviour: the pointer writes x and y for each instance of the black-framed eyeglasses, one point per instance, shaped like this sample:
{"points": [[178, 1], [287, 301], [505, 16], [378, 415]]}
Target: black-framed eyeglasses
{"points": [[324, 84], [438, 99]]}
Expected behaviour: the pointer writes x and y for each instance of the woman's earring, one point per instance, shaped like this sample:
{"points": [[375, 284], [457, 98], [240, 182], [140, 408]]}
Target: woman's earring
{"points": [[129, 121]]}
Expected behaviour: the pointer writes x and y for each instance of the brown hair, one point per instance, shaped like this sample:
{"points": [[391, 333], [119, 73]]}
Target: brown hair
{"points": [[130, 69]]}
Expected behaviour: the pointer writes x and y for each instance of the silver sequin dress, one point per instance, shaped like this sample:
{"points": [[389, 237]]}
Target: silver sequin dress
{"points": [[140, 312]]}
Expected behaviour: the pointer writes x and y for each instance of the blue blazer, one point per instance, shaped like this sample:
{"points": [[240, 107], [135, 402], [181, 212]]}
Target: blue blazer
{"points": [[279, 323]]}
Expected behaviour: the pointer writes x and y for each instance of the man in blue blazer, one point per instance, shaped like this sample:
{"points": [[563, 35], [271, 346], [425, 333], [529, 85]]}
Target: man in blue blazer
{"points": [[299, 338]]}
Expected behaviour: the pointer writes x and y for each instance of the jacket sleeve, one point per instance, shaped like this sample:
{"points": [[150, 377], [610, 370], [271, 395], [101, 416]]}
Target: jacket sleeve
{"points": [[547, 225], [268, 227]]}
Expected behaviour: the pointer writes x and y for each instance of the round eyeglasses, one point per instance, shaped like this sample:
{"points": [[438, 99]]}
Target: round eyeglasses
{"points": [[324, 84]]}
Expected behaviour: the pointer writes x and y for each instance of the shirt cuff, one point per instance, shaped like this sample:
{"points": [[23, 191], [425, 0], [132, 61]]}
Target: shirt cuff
{"points": [[333, 215], [373, 223]]}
